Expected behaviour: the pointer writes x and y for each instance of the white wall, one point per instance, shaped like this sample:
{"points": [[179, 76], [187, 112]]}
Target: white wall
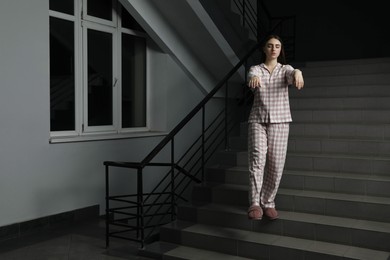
{"points": [[37, 178]]}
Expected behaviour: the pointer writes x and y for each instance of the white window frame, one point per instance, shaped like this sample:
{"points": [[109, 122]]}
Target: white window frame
{"points": [[82, 131], [133, 129], [114, 81]]}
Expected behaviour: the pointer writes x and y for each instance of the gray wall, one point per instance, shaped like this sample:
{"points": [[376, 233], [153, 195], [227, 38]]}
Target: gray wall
{"points": [[38, 178], [334, 30]]}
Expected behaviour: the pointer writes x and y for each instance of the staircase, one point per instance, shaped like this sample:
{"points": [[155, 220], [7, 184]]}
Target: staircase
{"points": [[334, 199]]}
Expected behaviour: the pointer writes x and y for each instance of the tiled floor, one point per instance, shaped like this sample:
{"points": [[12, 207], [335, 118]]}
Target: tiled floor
{"points": [[82, 241]]}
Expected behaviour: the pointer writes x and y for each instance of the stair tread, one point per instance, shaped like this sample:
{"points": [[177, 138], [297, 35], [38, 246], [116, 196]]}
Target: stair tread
{"points": [[340, 155], [337, 139], [332, 109], [346, 62], [360, 123], [326, 138], [336, 196], [309, 193], [358, 176], [319, 154], [283, 241], [367, 225], [326, 174], [340, 97]]}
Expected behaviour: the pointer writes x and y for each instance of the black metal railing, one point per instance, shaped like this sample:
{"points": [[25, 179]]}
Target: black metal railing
{"points": [[138, 216], [146, 211], [249, 15]]}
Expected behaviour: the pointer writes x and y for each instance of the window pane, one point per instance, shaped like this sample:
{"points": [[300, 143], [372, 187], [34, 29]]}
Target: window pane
{"points": [[133, 81], [129, 22], [99, 78], [62, 75], [100, 9], [63, 6]]}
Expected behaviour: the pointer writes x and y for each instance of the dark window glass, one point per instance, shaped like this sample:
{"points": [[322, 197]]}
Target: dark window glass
{"points": [[133, 81], [99, 78], [63, 6], [62, 75], [100, 9], [129, 22]]}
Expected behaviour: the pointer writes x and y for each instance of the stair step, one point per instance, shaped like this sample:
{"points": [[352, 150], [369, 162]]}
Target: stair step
{"points": [[356, 67], [329, 162], [345, 63], [347, 80], [253, 245], [342, 103], [357, 130], [342, 182], [340, 91], [325, 145], [359, 184], [365, 207], [376, 116], [335, 204], [336, 130], [354, 232], [340, 146]]}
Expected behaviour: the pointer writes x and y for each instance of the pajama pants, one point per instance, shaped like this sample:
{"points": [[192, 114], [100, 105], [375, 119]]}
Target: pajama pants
{"points": [[267, 148]]}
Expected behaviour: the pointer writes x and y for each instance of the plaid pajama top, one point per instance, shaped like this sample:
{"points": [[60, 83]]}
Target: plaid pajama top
{"points": [[271, 100]]}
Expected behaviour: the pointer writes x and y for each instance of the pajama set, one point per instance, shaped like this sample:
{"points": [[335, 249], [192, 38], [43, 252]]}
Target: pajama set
{"points": [[268, 130]]}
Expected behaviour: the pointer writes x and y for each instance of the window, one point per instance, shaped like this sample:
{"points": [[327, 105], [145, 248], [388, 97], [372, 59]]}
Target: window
{"points": [[97, 69]]}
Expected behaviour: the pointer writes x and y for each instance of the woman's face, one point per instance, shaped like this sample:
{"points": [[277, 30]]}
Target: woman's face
{"points": [[272, 49]]}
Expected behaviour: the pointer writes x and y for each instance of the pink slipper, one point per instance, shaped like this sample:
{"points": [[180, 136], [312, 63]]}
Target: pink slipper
{"points": [[255, 212], [271, 213]]}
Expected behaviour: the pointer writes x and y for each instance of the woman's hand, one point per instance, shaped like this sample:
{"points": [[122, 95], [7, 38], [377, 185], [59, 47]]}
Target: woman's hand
{"points": [[298, 79], [254, 82]]}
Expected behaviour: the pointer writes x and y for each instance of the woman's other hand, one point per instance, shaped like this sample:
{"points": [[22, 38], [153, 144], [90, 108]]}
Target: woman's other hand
{"points": [[298, 79]]}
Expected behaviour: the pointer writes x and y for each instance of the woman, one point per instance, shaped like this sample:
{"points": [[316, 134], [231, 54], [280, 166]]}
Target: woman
{"points": [[268, 126]]}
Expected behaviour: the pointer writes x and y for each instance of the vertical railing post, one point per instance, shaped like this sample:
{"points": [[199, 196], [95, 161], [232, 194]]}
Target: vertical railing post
{"points": [[245, 89], [172, 179], [226, 117], [294, 39], [138, 211], [203, 138], [258, 25], [243, 12], [140, 203], [107, 210]]}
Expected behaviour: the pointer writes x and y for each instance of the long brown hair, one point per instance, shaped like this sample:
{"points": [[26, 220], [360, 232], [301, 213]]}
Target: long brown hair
{"points": [[282, 56]]}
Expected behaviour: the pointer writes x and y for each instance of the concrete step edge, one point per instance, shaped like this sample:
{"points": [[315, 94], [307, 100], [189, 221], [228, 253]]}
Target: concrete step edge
{"points": [[367, 225], [311, 173], [378, 200], [318, 155], [339, 156], [321, 138]]}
